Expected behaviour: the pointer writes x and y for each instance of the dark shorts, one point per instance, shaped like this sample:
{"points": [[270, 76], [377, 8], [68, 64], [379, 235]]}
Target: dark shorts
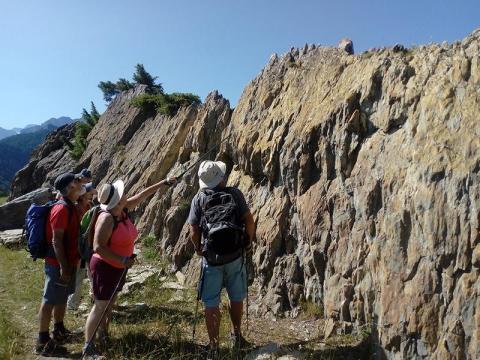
{"points": [[105, 278], [55, 292]]}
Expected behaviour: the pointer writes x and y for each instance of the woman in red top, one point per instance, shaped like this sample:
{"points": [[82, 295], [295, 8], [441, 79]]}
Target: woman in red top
{"points": [[113, 244]]}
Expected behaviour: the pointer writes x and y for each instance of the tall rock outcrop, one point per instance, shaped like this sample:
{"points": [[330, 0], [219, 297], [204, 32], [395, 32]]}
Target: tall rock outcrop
{"points": [[362, 173]]}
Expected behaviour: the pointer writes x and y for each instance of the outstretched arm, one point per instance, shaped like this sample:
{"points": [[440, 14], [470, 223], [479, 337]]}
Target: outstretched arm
{"points": [[140, 197]]}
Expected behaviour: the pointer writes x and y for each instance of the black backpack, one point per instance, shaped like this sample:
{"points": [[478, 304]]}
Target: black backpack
{"points": [[222, 227]]}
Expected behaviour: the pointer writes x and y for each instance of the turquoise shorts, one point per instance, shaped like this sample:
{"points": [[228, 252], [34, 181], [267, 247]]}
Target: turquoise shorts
{"points": [[231, 276]]}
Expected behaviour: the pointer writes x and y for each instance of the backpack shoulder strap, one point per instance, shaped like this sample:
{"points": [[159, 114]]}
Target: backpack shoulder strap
{"points": [[115, 223], [233, 192], [202, 198]]}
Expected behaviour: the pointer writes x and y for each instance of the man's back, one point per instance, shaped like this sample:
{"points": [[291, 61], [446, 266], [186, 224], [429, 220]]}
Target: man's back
{"points": [[219, 213]]}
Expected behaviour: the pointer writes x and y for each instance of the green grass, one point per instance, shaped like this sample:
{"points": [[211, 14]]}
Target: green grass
{"points": [[184, 205], [21, 288], [21, 285], [3, 199], [311, 309], [150, 248], [10, 337], [159, 328]]}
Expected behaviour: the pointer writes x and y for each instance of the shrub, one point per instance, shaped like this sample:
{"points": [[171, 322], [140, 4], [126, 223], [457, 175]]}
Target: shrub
{"points": [[149, 247], [166, 104]]}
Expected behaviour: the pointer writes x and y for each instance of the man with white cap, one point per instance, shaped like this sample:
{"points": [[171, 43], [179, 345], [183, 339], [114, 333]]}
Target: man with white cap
{"points": [[222, 230]]}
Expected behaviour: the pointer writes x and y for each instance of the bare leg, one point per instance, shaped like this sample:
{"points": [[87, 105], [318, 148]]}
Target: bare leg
{"points": [[45, 316], [94, 318], [212, 319], [236, 312], [59, 312], [108, 316]]}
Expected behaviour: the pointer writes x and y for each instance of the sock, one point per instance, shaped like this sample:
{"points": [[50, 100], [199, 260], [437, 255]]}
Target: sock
{"points": [[43, 337], [59, 326]]}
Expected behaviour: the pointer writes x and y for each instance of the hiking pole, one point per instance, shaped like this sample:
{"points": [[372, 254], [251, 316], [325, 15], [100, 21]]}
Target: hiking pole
{"points": [[246, 273], [89, 342], [202, 158], [199, 295]]}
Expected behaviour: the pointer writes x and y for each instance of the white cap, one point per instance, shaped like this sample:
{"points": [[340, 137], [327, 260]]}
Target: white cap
{"points": [[211, 173]]}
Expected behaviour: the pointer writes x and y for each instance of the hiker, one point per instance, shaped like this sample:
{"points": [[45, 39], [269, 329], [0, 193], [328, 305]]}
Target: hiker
{"points": [[62, 228], [84, 176], [85, 200], [113, 246], [222, 248], [84, 203]]}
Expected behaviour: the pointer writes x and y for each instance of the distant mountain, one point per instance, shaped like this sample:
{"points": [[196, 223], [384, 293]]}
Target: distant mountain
{"points": [[6, 133], [15, 150], [50, 124]]}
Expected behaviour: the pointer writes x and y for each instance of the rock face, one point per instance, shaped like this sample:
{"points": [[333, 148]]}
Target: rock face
{"points": [[361, 171]]}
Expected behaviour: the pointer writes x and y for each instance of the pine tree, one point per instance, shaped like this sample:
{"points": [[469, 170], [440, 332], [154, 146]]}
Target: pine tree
{"points": [[142, 77], [93, 112], [123, 85], [109, 90]]}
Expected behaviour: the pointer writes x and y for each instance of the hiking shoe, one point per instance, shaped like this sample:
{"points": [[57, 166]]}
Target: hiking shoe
{"points": [[50, 348], [212, 353], [92, 353], [239, 342], [62, 336]]}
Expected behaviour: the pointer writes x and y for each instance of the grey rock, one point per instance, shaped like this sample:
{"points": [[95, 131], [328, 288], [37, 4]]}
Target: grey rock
{"points": [[12, 213], [12, 239], [346, 45]]}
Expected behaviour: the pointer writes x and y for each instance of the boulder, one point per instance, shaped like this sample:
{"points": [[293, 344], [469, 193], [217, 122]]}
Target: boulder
{"points": [[12, 213], [12, 239], [346, 45]]}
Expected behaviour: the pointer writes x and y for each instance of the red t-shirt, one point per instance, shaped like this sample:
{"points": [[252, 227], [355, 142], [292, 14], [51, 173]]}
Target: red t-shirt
{"points": [[59, 220]]}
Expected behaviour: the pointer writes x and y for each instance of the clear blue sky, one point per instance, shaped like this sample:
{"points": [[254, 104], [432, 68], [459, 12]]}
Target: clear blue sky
{"points": [[54, 53]]}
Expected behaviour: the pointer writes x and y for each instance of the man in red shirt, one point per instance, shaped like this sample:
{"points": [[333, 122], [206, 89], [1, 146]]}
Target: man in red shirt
{"points": [[62, 231]]}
